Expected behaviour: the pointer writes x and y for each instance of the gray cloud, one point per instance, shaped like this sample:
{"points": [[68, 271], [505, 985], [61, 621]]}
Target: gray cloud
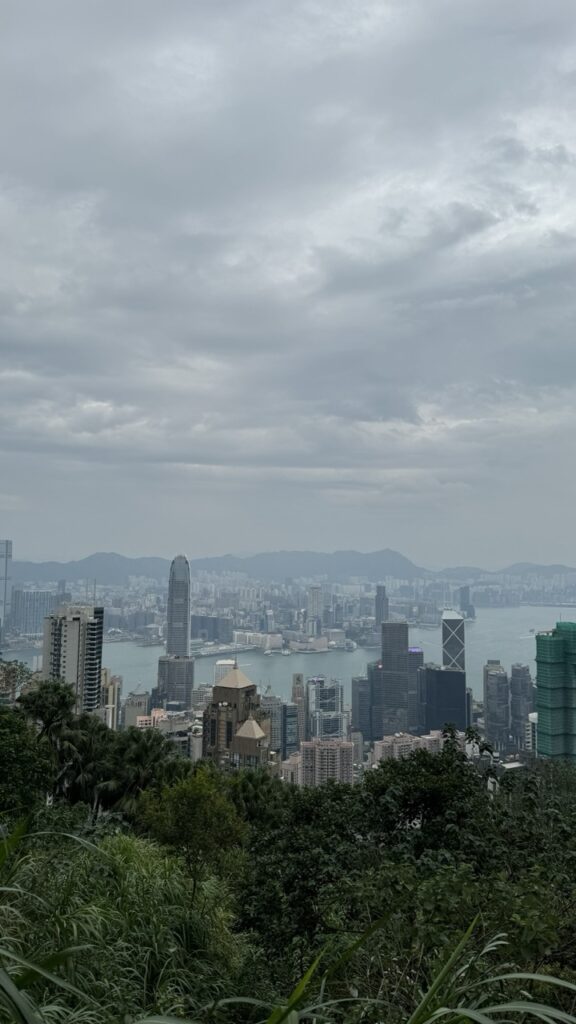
{"points": [[288, 275]]}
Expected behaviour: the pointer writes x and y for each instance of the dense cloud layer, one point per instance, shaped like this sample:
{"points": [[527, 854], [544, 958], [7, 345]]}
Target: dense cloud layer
{"points": [[288, 275]]}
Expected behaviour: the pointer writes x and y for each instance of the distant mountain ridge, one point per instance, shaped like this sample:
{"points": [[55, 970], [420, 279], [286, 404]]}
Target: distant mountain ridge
{"points": [[114, 569]]}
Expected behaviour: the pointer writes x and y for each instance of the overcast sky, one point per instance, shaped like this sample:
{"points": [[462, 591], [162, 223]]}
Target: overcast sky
{"points": [[288, 273]]}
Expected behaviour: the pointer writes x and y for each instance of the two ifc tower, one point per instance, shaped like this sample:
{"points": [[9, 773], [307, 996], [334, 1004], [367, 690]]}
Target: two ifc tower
{"points": [[176, 667]]}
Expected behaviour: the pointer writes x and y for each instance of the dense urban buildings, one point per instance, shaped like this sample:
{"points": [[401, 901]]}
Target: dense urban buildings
{"points": [[178, 617], [556, 691], [73, 652]]}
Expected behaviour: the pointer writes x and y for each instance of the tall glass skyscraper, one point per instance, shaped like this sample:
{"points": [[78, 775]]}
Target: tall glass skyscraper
{"points": [[178, 626], [556, 691]]}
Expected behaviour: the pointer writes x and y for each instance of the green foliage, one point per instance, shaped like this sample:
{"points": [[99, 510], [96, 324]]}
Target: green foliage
{"points": [[25, 770], [195, 818], [189, 886]]}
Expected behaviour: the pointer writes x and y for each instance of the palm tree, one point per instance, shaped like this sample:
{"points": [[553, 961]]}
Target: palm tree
{"points": [[139, 759]]}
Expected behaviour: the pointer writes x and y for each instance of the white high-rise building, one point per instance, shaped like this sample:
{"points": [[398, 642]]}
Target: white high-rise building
{"points": [[314, 609], [5, 584], [178, 627], [325, 760], [73, 652], [453, 640]]}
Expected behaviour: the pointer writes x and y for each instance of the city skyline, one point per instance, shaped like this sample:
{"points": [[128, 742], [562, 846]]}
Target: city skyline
{"points": [[268, 262]]}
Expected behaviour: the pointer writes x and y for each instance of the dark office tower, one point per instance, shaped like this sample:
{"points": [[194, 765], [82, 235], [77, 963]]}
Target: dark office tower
{"points": [[175, 682], [415, 662], [496, 706], [389, 682], [299, 699], [441, 698], [381, 606], [453, 642], [521, 691], [178, 627], [361, 707]]}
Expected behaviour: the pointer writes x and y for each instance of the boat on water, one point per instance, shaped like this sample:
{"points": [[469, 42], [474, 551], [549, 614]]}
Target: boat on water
{"points": [[286, 654]]}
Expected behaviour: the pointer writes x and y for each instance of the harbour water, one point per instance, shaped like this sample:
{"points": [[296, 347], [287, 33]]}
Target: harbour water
{"points": [[502, 633]]}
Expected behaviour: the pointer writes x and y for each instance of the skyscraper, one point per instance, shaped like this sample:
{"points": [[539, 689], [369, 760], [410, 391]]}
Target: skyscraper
{"points": [[175, 682], [556, 691], [236, 731], [326, 716], [441, 698], [178, 626], [299, 699], [314, 610], [361, 707], [325, 760], [110, 702], [389, 680], [415, 662], [29, 609], [521, 703], [73, 652], [5, 584], [381, 606], [453, 640], [496, 706]]}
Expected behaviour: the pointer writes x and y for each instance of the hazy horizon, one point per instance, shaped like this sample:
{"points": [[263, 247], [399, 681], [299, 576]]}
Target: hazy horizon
{"points": [[289, 276], [431, 567]]}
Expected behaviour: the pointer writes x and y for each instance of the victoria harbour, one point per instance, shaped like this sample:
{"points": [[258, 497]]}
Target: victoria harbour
{"points": [[503, 634]]}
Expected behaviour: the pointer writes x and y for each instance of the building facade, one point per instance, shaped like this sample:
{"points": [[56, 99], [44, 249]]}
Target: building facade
{"points": [[322, 761], [381, 606], [453, 641], [178, 612], [299, 699], [72, 652], [362, 707], [556, 691], [111, 691], [442, 698], [389, 681], [175, 682], [521, 703], [227, 737], [325, 704], [29, 609], [496, 706]]}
